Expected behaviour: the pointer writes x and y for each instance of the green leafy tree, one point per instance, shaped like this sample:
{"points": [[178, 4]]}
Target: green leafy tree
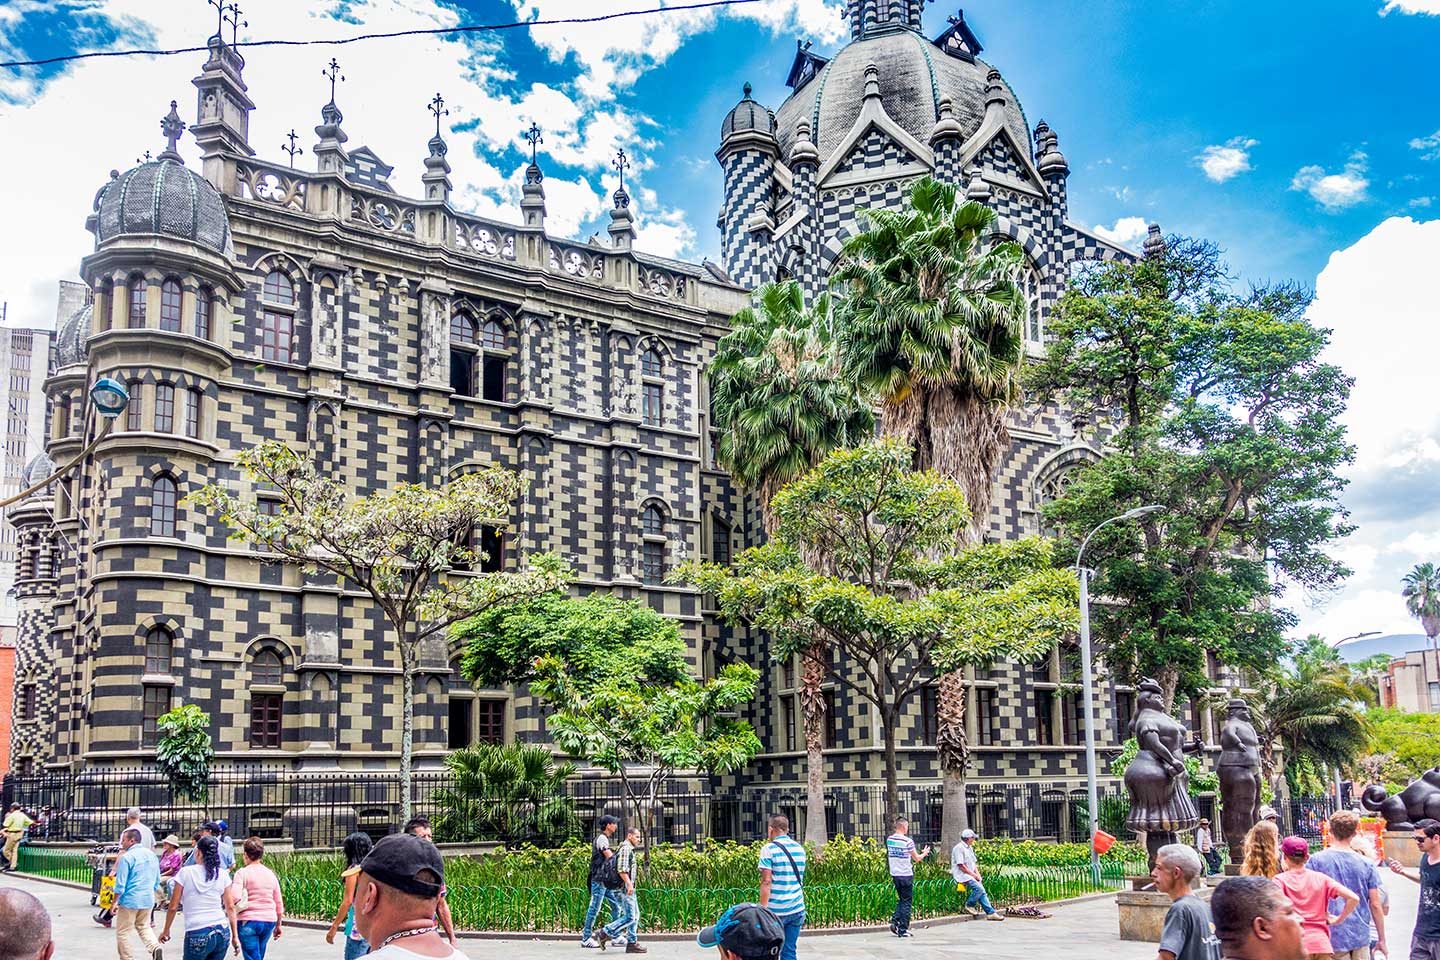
{"points": [[1421, 591], [615, 675], [1229, 418], [1312, 709], [513, 792], [399, 547], [184, 751], [780, 404], [888, 589], [1405, 744], [935, 330]]}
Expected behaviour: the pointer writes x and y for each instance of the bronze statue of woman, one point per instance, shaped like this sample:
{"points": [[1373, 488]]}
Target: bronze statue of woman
{"points": [[1156, 779]]}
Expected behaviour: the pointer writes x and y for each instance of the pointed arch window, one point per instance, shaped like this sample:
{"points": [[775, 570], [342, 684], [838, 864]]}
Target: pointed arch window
{"points": [[135, 301], [653, 547], [277, 318], [464, 353], [1030, 284], [267, 707], [170, 299], [651, 363], [203, 298], [719, 541], [652, 388], [159, 651], [163, 498]]}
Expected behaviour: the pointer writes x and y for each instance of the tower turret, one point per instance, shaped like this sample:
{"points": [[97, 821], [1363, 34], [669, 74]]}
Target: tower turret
{"points": [[222, 114], [804, 164], [748, 152], [945, 141], [532, 194], [330, 155], [622, 220]]}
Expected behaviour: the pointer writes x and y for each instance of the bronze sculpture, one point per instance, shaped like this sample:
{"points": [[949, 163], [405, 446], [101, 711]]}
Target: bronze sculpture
{"points": [[1239, 769], [1156, 780]]}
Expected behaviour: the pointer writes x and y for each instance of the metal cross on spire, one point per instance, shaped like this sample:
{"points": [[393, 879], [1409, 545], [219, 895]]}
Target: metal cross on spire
{"points": [[437, 107], [533, 135], [219, 6], [333, 73], [173, 127], [144, 159], [621, 165], [235, 22], [292, 149]]}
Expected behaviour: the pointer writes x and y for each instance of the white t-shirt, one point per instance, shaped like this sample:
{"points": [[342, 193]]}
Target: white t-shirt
{"points": [[202, 904], [397, 952]]}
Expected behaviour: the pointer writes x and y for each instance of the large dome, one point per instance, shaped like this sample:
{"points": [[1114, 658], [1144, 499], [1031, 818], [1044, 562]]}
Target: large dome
{"points": [[163, 198], [915, 76], [72, 337]]}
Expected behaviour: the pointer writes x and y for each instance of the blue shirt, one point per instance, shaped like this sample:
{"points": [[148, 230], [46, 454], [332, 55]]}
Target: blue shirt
{"points": [[137, 874], [1348, 869], [787, 873], [227, 856]]}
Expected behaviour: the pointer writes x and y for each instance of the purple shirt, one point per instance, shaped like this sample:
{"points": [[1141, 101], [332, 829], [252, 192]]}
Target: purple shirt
{"points": [[1349, 869]]}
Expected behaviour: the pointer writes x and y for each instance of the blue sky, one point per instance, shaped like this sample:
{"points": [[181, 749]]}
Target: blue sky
{"points": [[1303, 138]]}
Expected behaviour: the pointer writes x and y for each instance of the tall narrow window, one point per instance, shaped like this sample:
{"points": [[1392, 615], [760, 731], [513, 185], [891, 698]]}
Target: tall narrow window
{"points": [[28, 700], [159, 651], [719, 541], [787, 721], [1124, 714], [203, 296], [490, 715], [155, 704], [461, 722], [135, 302], [464, 354], [164, 407], [1030, 290], [103, 295], [1045, 716], [832, 719], [491, 550], [652, 551], [277, 318], [162, 507], [170, 306], [929, 715], [132, 409], [192, 412], [652, 410], [985, 716], [266, 720]]}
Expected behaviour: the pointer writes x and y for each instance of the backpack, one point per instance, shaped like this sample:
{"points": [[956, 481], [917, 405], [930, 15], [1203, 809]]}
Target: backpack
{"points": [[609, 874]]}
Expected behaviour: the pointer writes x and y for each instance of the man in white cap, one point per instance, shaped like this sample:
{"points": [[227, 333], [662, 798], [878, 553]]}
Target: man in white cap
{"points": [[966, 871]]}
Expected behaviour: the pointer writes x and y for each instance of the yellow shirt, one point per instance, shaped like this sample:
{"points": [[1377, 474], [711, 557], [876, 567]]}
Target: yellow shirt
{"points": [[17, 822]]}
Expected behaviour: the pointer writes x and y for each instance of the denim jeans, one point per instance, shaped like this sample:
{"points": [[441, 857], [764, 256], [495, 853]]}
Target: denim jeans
{"points": [[627, 920], [355, 949], [791, 922], [599, 894], [207, 943], [255, 937], [904, 892], [976, 894]]}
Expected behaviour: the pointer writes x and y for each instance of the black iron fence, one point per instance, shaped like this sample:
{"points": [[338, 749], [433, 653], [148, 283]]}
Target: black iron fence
{"points": [[318, 809]]}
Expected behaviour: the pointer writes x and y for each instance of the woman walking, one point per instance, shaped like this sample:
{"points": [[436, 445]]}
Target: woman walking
{"points": [[355, 847], [1262, 851], [204, 888], [264, 906]]}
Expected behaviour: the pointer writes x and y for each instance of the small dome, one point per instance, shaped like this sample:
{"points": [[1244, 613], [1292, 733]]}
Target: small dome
{"points": [[748, 115], [163, 198], [72, 337], [36, 470]]}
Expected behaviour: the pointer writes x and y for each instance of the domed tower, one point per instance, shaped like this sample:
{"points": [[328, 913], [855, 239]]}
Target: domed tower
{"points": [[39, 565], [749, 155]]}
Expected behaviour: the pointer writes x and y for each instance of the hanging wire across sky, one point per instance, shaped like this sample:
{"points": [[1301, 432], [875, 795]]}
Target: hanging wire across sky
{"points": [[439, 31]]}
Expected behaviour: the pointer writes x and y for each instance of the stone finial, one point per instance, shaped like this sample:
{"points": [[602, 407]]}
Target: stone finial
{"points": [[872, 81], [977, 188], [1154, 247], [1042, 138], [995, 94], [747, 90], [947, 127], [622, 220], [803, 150], [173, 127], [1047, 143], [532, 193]]}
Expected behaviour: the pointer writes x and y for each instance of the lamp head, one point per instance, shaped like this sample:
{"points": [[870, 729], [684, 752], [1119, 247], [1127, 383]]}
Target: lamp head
{"points": [[110, 397], [1139, 512]]}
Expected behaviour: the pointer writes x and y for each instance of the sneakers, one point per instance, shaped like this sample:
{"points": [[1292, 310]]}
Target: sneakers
{"points": [[159, 954], [904, 934], [590, 942], [633, 947], [995, 916]]}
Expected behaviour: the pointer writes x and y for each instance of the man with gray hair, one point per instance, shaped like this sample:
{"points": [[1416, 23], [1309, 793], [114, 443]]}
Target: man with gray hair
{"points": [[132, 821], [1188, 933], [24, 927]]}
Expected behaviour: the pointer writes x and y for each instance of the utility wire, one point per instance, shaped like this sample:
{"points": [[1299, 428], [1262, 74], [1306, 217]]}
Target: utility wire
{"points": [[478, 28]]}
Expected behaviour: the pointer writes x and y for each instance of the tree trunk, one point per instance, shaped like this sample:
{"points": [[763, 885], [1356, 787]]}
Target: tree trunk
{"points": [[407, 733], [953, 750], [813, 707], [1169, 680], [967, 438], [892, 781]]}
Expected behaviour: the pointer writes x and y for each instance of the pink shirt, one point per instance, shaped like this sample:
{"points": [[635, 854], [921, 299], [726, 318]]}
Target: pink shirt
{"points": [[1311, 891], [262, 888]]}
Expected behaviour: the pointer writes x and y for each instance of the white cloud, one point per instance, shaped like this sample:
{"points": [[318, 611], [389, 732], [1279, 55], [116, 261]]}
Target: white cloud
{"points": [[1431, 7], [1420, 203], [1127, 230], [1223, 161], [1384, 282], [1335, 191], [1429, 147]]}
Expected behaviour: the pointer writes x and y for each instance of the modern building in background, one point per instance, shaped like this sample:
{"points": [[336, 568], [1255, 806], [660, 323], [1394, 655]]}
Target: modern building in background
{"points": [[24, 363], [1412, 682]]}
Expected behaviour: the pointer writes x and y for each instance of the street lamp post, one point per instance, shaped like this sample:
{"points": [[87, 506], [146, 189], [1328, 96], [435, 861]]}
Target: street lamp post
{"points": [[109, 398], [1088, 681]]}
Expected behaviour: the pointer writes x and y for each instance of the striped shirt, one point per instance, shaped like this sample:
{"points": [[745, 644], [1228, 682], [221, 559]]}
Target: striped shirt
{"points": [[625, 860], [898, 851], [787, 896]]}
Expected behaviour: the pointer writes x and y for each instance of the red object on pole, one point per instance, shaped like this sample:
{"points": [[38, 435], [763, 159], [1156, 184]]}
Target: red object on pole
{"points": [[1103, 841]]}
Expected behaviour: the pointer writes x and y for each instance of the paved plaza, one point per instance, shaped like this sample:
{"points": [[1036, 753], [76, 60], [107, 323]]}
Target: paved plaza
{"points": [[1087, 930]]}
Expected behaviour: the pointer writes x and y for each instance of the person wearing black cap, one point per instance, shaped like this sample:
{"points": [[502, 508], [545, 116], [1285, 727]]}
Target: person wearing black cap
{"points": [[747, 931], [396, 898]]}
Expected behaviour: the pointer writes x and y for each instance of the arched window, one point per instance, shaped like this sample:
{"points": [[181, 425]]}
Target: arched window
{"points": [[277, 318], [651, 363], [133, 408], [162, 506], [193, 398], [1030, 290], [159, 650], [164, 408], [267, 708], [170, 306], [652, 388], [652, 521], [652, 550], [492, 335], [266, 667], [479, 357], [135, 302], [464, 354], [203, 298]]}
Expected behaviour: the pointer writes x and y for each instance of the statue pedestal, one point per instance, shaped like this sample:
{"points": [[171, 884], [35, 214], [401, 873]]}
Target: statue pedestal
{"points": [[1232, 869], [1400, 845], [1142, 913]]}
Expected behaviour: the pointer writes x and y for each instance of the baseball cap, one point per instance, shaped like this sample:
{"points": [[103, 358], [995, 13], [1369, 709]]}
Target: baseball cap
{"points": [[967, 834], [747, 929], [1295, 847], [397, 861], [222, 825]]}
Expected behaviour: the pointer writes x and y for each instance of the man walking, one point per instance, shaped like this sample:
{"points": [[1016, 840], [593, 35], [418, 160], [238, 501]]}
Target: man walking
{"points": [[966, 871], [1348, 867], [901, 856], [629, 918], [1205, 845], [1187, 933], [137, 874], [1254, 920], [782, 878], [1425, 944], [599, 893], [132, 820], [16, 823]]}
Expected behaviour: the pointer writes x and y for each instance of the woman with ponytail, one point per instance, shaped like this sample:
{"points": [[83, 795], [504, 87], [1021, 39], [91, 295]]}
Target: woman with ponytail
{"points": [[204, 888]]}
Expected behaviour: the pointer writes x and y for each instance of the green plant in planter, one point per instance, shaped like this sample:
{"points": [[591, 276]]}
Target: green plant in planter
{"points": [[184, 751]]}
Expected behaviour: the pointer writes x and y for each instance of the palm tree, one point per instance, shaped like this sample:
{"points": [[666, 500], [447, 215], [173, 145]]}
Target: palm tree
{"points": [[781, 405], [1422, 599], [935, 331], [512, 792], [1314, 709]]}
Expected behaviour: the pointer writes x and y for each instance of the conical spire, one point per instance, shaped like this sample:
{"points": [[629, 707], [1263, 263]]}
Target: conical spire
{"points": [[330, 156], [532, 194]]}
